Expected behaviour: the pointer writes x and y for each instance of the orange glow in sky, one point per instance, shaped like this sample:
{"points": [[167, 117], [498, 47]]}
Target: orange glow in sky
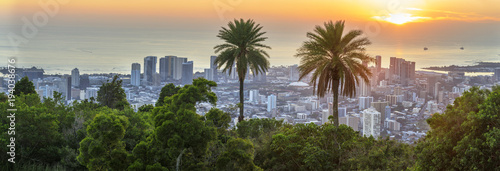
{"points": [[392, 11], [400, 18]]}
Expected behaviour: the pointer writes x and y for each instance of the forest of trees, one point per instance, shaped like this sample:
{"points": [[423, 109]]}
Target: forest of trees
{"points": [[106, 134]]}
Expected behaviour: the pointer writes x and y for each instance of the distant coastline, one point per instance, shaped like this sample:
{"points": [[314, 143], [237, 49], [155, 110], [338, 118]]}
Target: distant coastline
{"points": [[479, 67]]}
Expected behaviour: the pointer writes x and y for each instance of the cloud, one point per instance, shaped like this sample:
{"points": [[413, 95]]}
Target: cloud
{"points": [[451, 15], [420, 15]]}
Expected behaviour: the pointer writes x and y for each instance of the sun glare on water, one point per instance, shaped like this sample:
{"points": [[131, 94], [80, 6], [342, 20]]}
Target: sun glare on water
{"points": [[399, 18]]}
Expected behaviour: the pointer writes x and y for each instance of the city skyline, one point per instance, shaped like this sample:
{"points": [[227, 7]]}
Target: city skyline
{"points": [[250, 85]]}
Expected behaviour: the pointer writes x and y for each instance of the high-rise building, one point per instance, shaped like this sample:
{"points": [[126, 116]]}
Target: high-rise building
{"points": [[364, 88], [213, 67], [187, 73], [387, 112], [351, 121], [437, 87], [324, 117], [254, 96], [371, 122], [135, 79], [171, 66], [378, 63], [294, 73], [178, 67], [392, 67], [381, 107], [47, 91], [164, 68], [401, 71], [68, 88], [411, 71], [84, 81], [149, 68], [392, 125], [394, 99], [234, 73], [431, 84], [209, 74], [91, 92], [261, 77], [398, 90], [271, 102], [365, 102], [156, 79], [75, 77], [342, 111]]}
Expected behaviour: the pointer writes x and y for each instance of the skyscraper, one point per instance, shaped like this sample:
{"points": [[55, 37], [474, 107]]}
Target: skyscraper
{"points": [[294, 73], [342, 111], [261, 77], [365, 102], [387, 112], [213, 67], [209, 74], [378, 63], [392, 64], [371, 122], [68, 88], [234, 73], [381, 107], [163, 68], [364, 88], [75, 77], [171, 63], [84, 81], [178, 67], [187, 73], [351, 121], [271, 102], [254, 96], [401, 71], [149, 68], [136, 74]]}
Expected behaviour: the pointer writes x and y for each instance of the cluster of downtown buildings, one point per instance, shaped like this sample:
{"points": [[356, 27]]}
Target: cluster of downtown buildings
{"points": [[171, 69], [395, 103]]}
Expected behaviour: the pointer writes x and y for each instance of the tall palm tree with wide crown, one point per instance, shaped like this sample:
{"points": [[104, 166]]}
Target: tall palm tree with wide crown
{"points": [[334, 59], [242, 47]]}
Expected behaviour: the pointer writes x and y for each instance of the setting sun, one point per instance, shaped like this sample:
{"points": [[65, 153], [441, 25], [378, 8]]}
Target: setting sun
{"points": [[400, 18]]}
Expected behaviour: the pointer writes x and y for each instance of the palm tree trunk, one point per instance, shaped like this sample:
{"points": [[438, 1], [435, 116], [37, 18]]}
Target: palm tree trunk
{"points": [[335, 107], [240, 118]]}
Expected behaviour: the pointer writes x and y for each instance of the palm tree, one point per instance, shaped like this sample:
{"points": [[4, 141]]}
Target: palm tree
{"points": [[242, 47], [334, 59]]}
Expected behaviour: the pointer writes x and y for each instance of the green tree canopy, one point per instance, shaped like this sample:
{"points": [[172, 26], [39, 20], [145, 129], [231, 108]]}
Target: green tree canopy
{"points": [[465, 136], [112, 95], [180, 137], [238, 156], [104, 148], [167, 91], [24, 86], [37, 131]]}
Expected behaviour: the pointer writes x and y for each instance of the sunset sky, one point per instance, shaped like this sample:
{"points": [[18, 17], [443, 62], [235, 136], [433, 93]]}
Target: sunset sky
{"points": [[396, 28]]}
